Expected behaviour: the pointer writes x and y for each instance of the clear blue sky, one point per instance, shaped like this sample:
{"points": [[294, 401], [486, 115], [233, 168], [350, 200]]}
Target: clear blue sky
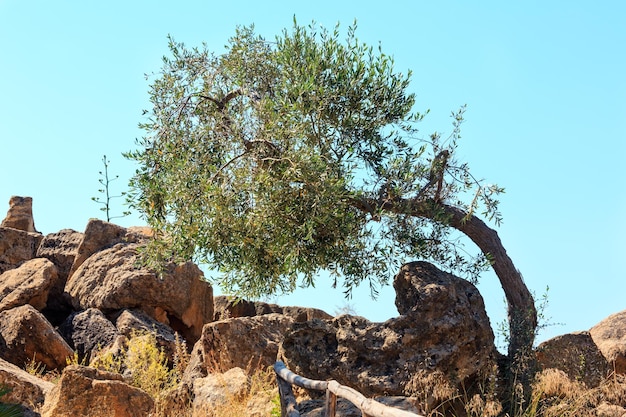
{"points": [[545, 85]]}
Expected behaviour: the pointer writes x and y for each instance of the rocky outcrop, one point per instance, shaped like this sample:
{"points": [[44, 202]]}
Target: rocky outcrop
{"points": [[610, 337], [17, 247], [249, 343], [30, 283], [26, 389], [100, 297], [98, 235], [26, 335], [88, 392], [61, 249], [111, 280], [443, 328], [575, 354], [301, 314], [20, 214], [227, 307]]}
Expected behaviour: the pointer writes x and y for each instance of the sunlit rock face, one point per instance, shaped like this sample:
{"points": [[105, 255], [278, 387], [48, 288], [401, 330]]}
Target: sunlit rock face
{"points": [[443, 328]]}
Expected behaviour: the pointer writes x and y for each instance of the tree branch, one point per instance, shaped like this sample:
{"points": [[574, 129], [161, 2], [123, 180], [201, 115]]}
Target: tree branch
{"points": [[221, 104], [521, 306]]}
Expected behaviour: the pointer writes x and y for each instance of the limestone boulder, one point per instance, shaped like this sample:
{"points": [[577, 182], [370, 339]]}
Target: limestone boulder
{"points": [[443, 329], [20, 214], [217, 390], [26, 389], [88, 392], [98, 235], [300, 314], [17, 247], [249, 343], [111, 280], [30, 283], [227, 307], [575, 354], [26, 335], [610, 337], [60, 248], [87, 331]]}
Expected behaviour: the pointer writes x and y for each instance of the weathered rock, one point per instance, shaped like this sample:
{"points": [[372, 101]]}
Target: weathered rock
{"points": [[444, 328], [17, 247], [227, 307], [26, 389], [136, 322], [88, 392], [20, 214], [197, 368], [98, 235], [300, 314], [87, 331], [111, 280], [249, 343], [575, 354], [60, 248], [217, 390], [30, 283], [26, 335], [135, 234], [261, 308], [610, 337], [111, 356]]}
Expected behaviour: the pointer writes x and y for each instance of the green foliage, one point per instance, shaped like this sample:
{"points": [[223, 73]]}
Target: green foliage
{"points": [[105, 181], [9, 410], [277, 160], [148, 365]]}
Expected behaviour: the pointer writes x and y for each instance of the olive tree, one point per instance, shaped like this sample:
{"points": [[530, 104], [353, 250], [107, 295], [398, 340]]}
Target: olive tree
{"points": [[278, 160]]}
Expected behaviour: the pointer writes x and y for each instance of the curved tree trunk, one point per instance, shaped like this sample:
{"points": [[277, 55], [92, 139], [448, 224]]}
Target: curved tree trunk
{"points": [[522, 314]]}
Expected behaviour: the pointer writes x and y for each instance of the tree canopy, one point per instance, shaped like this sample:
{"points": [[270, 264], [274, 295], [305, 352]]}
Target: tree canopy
{"points": [[277, 160]]}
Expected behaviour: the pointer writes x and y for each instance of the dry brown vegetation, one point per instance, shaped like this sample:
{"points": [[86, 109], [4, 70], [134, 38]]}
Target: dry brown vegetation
{"points": [[554, 394]]}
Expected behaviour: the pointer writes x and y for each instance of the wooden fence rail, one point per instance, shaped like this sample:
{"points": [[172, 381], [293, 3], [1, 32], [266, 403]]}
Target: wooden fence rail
{"points": [[369, 408]]}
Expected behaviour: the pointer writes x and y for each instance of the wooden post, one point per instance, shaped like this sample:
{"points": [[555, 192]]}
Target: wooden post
{"points": [[287, 399], [330, 408]]}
